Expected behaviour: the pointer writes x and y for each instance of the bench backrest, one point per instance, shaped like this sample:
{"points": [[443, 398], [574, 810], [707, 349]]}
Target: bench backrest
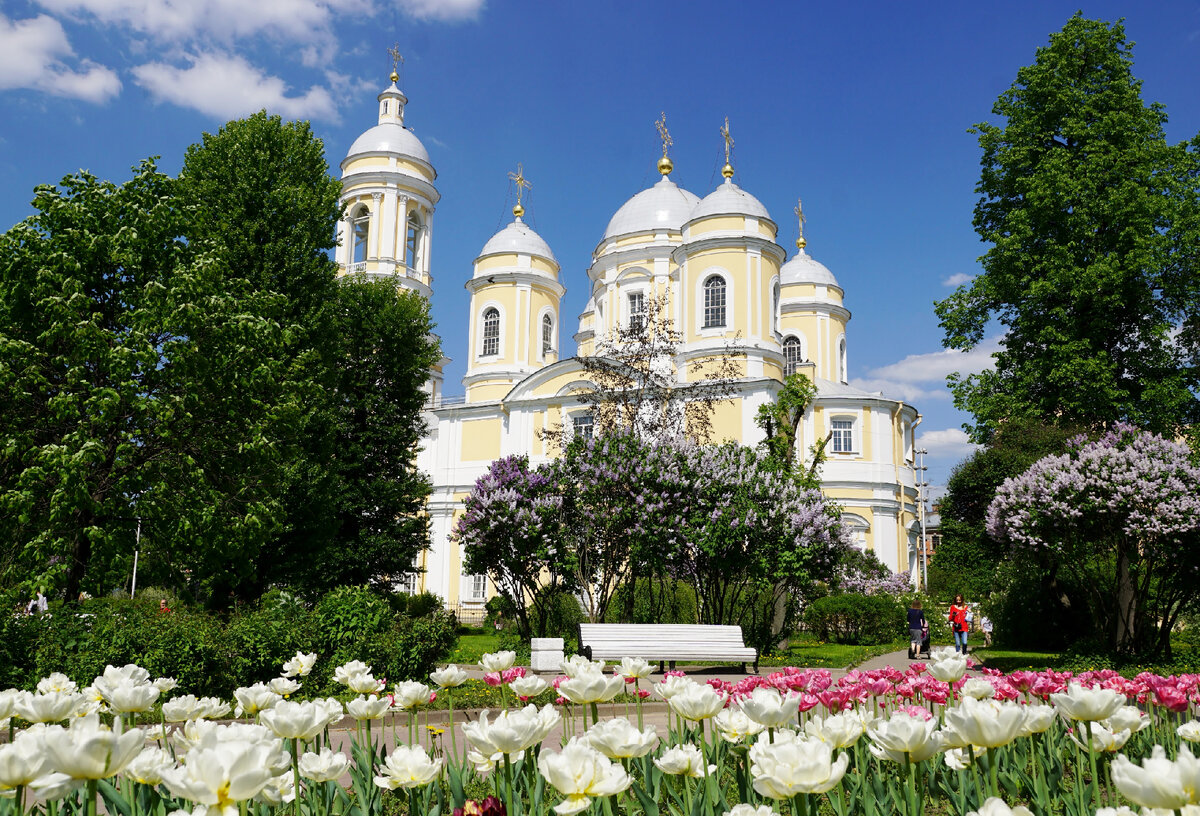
{"points": [[603, 633]]}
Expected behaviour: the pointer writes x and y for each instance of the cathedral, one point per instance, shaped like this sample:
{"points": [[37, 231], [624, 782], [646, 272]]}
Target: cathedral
{"points": [[716, 264]]}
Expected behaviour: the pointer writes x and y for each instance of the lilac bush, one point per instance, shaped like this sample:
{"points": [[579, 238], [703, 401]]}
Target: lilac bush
{"points": [[1121, 513]]}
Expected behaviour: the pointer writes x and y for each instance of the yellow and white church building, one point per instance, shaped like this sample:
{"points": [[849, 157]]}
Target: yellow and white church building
{"points": [[716, 263]]}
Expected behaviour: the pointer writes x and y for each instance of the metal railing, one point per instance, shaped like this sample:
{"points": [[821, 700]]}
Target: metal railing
{"points": [[469, 615]]}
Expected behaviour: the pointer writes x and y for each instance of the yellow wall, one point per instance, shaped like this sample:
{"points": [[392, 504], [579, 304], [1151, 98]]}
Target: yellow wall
{"points": [[727, 223], [480, 440], [488, 390], [377, 163], [510, 260], [700, 265], [727, 421]]}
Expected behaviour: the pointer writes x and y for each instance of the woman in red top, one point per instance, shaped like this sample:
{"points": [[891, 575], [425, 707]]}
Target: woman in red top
{"points": [[958, 623]]}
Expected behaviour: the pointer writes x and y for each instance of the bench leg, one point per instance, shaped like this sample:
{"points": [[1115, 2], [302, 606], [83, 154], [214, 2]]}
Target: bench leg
{"points": [[672, 665], [662, 668]]}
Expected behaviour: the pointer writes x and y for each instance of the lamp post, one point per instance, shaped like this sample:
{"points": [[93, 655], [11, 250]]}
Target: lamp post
{"points": [[921, 486]]}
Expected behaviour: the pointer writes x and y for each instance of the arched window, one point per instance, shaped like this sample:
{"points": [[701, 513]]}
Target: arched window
{"points": [[491, 333], [360, 229], [547, 334], [714, 302], [412, 243], [793, 355], [775, 307], [842, 370], [637, 311]]}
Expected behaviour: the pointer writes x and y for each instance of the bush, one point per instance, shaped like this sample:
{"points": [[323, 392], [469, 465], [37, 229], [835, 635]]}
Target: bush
{"points": [[267, 634], [416, 644], [865, 620], [655, 600], [422, 604]]}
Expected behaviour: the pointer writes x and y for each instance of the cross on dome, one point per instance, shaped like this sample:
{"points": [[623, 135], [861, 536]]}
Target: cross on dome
{"points": [[727, 170], [518, 178], [799, 211], [665, 165]]}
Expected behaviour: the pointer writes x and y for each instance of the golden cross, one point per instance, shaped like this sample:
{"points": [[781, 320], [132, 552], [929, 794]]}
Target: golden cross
{"points": [[799, 211], [518, 178], [661, 124], [728, 139], [397, 57]]}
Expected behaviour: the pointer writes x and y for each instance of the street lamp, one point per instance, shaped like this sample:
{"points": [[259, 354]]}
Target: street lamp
{"points": [[921, 486]]}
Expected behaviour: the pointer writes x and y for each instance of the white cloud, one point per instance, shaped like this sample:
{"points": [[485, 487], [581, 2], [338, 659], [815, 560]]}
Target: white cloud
{"points": [[921, 377], [951, 444], [447, 11], [221, 20], [958, 279], [227, 86], [33, 55]]}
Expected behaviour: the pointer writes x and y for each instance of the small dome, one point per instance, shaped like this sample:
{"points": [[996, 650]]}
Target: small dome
{"points": [[803, 269], [517, 238], [663, 206], [389, 137], [729, 199]]}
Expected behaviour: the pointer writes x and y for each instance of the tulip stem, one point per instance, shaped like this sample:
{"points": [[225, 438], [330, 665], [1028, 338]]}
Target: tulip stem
{"points": [[296, 775], [450, 725], [1092, 763], [91, 797]]}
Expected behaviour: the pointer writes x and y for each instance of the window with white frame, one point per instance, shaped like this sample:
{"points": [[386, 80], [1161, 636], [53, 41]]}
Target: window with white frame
{"points": [[793, 355], [407, 583], [842, 370], [842, 435], [637, 311], [412, 242], [583, 426], [491, 333], [547, 334], [360, 229], [775, 307], [714, 302], [474, 587]]}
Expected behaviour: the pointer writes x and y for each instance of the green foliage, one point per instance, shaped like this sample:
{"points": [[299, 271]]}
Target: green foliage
{"points": [[418, 644], [262, 636], [655, 600], [416, 606], [856, 619], [1094, 225], [780, 421], [347, 617]]}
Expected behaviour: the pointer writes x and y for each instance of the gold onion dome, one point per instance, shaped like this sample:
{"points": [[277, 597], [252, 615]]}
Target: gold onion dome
{"points": [[727, 170], [518, 210], [394, 77], [801, 243], [665, 166]]}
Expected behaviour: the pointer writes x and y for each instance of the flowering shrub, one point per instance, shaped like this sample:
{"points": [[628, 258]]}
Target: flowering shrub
{"points": [[1122, 513], [857, 619], [793, 742]]}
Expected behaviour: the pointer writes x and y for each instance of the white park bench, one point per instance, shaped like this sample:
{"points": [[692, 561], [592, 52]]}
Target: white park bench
{"points": [[670, 642]]}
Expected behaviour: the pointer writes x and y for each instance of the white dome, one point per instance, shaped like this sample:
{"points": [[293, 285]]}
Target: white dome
{"points": [[389, 137], [803, 269], [663, 206], [729, 199], [517, 237]]}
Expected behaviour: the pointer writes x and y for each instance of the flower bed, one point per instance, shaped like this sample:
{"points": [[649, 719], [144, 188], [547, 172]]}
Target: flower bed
{"points": [[793, 742]]}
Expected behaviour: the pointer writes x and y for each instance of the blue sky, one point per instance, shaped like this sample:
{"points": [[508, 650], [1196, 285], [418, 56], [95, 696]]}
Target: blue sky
{"points": [[861, 109]]}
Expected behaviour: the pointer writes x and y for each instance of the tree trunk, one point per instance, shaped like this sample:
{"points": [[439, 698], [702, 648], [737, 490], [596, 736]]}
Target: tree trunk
{"points": [[1126, 633], [81, 554]]}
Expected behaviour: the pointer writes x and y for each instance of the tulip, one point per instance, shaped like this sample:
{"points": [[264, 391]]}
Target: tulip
{"points": [[297, 721], [253, 700], [449, 677], [283, 686], [511, 732], [903, 737], [165, 684], [128, 698], [148, 766], [46, 708], [56, 682], [1038, 718], [618, 738], [576, 665], [185, 707], [23, 761], [1101, 738], [222, 774], [997, 807], [327, 766], [54, 786], [526, 687], [368, 708], [410, 694], [497, 661], [591, 687], [408, 766], [127, 675], [684, 760], [1127, 718], [769, 707], [978, 688], [786, 769], [750, 810], [581, 772], [958, 759], [986, 724], [1158, 782], [279, 789], [733, 725], [91, 750], [344, 671], [671, 685], [300, 665], [697, 702], [1087, 704], [1189, 731], [949, 668], [838, 730], [634, 667], [363, 683]]}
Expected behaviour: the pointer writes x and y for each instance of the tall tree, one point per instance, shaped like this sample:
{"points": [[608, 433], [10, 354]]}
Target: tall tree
{"points": [[1094, 225], [115, 343]]}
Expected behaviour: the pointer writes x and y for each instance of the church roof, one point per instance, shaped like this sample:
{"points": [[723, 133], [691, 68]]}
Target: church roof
{"points": [[803, 269], [665, 206], [729, 199], [518, 238], [389, 137]]}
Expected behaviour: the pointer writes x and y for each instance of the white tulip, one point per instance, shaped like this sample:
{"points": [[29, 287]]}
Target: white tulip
{"points": [[344, 671], [1087, 704], [1038, 718], [368, 708], [527, 687], [54, 786], [497, 661], [363, 683], [56, 682], [91, 750], [292, 720], [1158, 782], [23, 760], [1127, 718], [408, 766], [1102, 739], [591, 687], [512, 731], [733, 725], [190, 707], [410, 694], [221, 775], [148, 766], [949, 668], [618, 738], [786, 769], [978, 688], [130, 698], [283, 686], [327, 766], [903, 736], [279, 789], [668, 687], [684, 760], [750, 810], [580, 772], [634, 667], [697, 702], [988, 724], [165, 684], [839, 730], [769, 707], [997, 807], [576, 665], [300, 665], [253, 700], [449, 677], [1189, 731], [46, 708]]}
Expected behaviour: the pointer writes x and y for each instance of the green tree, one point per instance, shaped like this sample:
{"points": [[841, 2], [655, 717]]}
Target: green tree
{"points": [[1094, 225], [116, 345], [780, 421]]}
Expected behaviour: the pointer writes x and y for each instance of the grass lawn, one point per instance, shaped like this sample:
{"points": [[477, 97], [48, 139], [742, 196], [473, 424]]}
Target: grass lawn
{"points": [[472, 647], [1007, 660], [805, 651]]}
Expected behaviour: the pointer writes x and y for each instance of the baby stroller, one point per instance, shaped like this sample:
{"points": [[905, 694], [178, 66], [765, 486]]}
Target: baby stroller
{"points": [[926, 649]]}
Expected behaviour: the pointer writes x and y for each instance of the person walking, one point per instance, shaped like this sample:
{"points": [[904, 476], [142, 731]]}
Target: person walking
{"points": [[916, 626], [985, 626], [958, 623]]}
